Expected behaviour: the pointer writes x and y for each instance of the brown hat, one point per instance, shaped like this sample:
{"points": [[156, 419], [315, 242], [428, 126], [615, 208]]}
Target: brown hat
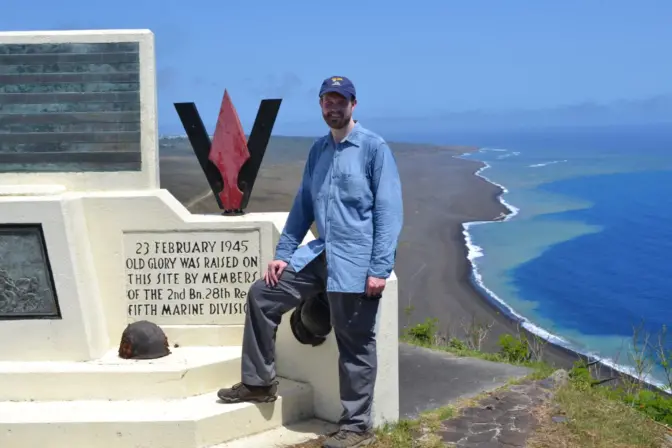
{"points": [[143, 340]]}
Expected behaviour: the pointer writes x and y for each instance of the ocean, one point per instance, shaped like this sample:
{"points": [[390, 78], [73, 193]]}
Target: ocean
{"points": [[584, 257]]}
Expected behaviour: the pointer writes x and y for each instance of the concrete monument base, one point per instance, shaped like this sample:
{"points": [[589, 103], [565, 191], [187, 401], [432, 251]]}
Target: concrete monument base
{"points": [[90, 243]]}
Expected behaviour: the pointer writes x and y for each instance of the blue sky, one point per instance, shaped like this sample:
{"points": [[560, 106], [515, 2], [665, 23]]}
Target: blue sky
{"points": [[408, 59]]}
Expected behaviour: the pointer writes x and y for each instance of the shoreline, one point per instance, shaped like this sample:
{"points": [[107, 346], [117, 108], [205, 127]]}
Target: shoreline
{"points": [[444, 195], [557, 350], [558, 354]]}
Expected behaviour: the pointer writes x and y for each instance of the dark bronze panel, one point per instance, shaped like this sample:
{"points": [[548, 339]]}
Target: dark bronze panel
{"points": [[69, 118], [28, 127], [70, 67], [35, 109], [68, 48], [81, 58], [74, 105], [48, 98], [27, 289], [71, 137], [50, 78], [71, 87], [50, 147], [69, 157]]}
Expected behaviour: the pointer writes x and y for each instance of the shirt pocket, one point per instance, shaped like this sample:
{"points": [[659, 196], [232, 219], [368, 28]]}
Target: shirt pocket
{"points": [[353, 188], [350, 178]]}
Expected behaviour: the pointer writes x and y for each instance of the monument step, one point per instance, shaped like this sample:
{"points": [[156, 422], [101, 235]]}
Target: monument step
{"points": [[284, 436], [187, 371], [194, 422], [204, 335]]}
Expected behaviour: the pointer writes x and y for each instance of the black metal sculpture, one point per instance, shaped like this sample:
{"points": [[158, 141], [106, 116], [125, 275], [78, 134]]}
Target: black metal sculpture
{"points": [[230, 162]]}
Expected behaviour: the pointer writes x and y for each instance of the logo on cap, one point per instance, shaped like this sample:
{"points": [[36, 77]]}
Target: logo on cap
{"points": [[336, 81]]}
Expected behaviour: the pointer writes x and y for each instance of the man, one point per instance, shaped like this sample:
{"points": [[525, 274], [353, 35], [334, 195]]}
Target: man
{"points": [[352, 191]]}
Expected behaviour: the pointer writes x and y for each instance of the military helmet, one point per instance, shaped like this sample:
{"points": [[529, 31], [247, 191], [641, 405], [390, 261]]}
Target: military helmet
{"points": [[311, 320], [143, 340]]}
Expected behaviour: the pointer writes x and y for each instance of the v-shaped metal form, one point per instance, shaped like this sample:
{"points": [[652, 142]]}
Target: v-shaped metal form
{"points": [[230, 161]]}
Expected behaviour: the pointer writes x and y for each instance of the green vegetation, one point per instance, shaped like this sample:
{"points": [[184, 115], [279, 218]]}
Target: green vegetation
{"points": [[592, 420], [621, 413], [627, 413], [593, 412], [418, 433], [422, 432], [630, 392], [517, 350]]}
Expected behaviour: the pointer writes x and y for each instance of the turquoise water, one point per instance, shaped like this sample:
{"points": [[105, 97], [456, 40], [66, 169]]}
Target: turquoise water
{"points": [[585, 256]]}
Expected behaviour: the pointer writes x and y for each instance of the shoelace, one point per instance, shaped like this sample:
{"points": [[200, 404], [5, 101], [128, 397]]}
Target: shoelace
{"points": [[342, 435]]}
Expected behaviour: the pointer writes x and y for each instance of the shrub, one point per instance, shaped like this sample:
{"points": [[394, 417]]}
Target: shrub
{"points": [[424, 332], [580, 376], [514, 349], [457, 344], [653, 404]]}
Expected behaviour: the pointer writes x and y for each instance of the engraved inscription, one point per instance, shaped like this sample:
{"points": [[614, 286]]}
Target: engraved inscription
{"points": [[70, 107], [190, 277], [26, 286]]}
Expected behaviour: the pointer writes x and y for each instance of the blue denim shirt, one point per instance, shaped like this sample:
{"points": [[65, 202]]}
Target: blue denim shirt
{"points": [[352, 191]]}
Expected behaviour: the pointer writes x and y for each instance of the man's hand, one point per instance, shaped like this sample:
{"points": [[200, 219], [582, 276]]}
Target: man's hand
{"points": [[374, 286], [272, 274]]}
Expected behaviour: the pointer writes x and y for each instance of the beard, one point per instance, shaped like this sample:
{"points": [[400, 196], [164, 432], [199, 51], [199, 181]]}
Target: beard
{"points": [[336, 120]]}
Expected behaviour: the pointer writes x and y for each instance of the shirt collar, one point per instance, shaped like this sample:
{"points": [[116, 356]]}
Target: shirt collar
{"points": [[355, 136]]}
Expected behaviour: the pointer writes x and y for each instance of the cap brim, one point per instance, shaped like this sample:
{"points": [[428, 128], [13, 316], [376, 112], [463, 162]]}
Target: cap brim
{"points": [[336, 90]]}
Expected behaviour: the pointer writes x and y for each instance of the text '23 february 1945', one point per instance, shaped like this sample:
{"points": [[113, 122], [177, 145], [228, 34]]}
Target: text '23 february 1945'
{"points": [[190, 277]]}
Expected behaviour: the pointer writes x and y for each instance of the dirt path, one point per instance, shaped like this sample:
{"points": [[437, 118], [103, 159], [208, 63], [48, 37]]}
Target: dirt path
{"points": [[503, 419]]}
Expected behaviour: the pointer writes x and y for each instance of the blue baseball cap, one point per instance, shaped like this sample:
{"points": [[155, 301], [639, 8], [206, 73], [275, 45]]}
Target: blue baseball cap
{"points": [[339, 84]]}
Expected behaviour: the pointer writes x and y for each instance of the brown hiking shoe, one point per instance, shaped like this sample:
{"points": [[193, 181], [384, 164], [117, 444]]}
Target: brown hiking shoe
{"points": [[349, 439], [241, 393]]}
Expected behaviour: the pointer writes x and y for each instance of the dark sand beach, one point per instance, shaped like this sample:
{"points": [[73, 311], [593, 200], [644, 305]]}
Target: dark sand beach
{"points": [[441, 192]]}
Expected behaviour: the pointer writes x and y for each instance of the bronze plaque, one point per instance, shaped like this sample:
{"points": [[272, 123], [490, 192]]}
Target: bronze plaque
{"points": [[70, 107], [27, 288]]}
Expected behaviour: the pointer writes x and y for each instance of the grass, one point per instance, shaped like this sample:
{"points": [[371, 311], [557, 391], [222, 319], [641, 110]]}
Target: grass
{"points": [[540, 369], [516, 350], [417, 433], [594, 421], [627, 415], [590, 415], [596, 416], [423, 432]]}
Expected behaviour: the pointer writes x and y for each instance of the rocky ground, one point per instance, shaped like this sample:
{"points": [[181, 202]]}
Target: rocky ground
{"points": [[502, 419]]}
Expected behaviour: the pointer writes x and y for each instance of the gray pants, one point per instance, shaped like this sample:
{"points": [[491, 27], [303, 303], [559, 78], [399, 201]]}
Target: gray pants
{"points": [[353, 318]]}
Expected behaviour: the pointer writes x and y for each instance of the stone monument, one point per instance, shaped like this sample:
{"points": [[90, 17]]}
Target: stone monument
{"points": [[89, 243]]}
